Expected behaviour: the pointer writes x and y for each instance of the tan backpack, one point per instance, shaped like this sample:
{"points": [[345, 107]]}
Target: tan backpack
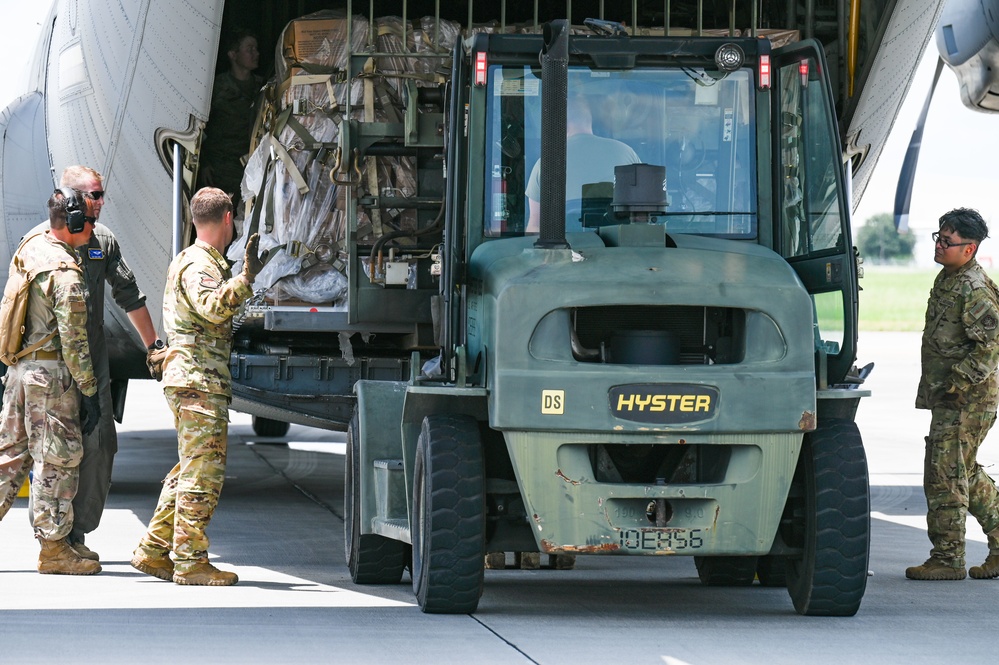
{"points": [[14, 307]]}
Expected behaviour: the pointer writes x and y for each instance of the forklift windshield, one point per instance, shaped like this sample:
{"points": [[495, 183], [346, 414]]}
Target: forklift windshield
{"points": [[698, 124]]}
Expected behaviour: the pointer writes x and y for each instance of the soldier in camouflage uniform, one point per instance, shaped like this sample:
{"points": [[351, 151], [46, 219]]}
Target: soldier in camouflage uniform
{"points": [[199, 302], [230, 121], [42, 405], [960, 387], [103, 264]]}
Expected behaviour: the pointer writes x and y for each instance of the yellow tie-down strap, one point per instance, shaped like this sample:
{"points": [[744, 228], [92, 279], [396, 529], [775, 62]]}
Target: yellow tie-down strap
{"points": [[277, 150], [311, 79]]}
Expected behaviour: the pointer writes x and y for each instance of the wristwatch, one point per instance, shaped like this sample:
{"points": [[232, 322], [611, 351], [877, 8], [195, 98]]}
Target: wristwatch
{"points": [[158, 344]]}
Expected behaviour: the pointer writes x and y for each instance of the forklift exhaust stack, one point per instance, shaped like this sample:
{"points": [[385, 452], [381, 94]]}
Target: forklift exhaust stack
{"points": [[554, 89]]}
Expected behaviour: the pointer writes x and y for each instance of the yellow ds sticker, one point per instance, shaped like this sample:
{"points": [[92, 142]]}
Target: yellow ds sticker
{"points": [[552, 402]]}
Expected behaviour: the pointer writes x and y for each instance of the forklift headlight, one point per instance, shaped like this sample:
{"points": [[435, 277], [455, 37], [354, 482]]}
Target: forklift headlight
{"points": [[729, 57]]}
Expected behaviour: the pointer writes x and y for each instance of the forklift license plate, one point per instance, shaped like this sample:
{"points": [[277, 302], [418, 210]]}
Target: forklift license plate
{"points": [[665, 403], [654, 540]]}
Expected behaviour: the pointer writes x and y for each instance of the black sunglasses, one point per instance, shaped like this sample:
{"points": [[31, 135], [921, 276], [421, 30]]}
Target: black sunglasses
{"points": [[96, 195]]}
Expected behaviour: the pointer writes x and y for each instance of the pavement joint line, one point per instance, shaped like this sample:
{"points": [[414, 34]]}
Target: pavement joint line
{"points": [[304, 492]]}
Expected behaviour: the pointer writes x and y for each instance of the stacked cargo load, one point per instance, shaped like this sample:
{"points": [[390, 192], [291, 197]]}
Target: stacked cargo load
{"points": [[306, 192], [300, 182]]}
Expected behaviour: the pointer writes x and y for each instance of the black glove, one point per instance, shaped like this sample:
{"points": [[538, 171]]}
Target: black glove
{"points": [[90, 413], [253, 261], [155, 355]]}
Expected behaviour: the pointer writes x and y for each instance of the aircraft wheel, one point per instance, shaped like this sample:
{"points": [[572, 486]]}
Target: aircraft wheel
{"points": [[830, 522], [371, 559], [726, 570], [268, 427], [448, 521]]}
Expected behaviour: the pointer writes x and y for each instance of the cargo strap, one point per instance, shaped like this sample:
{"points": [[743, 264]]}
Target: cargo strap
{"points": [[313, 79], [335, 74], [309, 142], [258, 199], [279, 151], [370, 162], [30, 352], [29, 276]]}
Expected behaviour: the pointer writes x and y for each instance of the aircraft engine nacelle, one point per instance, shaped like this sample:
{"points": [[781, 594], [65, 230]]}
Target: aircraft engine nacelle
{"points": [[967, 38]]}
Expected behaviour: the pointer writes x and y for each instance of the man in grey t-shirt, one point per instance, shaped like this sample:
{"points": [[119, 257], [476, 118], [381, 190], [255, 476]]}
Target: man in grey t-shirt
{"points": [[589, 159]]}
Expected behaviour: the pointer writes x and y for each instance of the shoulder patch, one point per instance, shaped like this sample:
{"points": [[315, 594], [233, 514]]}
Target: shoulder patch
{"points": [[95, 254], [980, 308], [209, 282], [989, 322]]}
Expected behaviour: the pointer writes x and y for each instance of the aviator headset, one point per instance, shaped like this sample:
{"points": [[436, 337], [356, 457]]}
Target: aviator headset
{"points": [[76, 209]]}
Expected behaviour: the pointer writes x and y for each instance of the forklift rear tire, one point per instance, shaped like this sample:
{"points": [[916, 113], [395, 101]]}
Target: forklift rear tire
{"points": [[371, 559], [830, 522], [771, 570], [726, 570], [449, 515]]}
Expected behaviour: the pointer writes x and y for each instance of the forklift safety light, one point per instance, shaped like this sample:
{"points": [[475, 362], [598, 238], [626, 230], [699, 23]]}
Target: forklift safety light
{"points": [[803, 70], [729, 57], [481, 68], [764, 72]]}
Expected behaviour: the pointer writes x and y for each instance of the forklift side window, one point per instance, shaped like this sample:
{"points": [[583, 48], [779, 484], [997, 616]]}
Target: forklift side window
{"points": [[699, 125], [829, 321], [810, 206]]}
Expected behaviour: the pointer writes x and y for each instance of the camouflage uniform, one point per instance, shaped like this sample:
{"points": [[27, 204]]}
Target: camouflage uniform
{"points": [[102, 264], [200, 299], [227, 134], [41, 403], [959, 384]]}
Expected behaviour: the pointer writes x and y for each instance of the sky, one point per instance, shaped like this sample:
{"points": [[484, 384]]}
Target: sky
{"points": [[956, 165], [19, 31]]}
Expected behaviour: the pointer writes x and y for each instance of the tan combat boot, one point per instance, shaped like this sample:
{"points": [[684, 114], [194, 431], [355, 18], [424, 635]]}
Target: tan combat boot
{"points": [[58, 558], [153, 563], [987, 570], [935, 569], [84, 551], [204, 574]]}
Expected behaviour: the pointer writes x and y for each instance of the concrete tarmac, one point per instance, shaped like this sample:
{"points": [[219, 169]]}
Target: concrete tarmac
{"points": [[279, 526]]}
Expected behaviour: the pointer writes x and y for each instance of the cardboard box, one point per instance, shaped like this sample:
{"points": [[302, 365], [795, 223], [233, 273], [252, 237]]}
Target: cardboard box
{"points": [[304, 37]]}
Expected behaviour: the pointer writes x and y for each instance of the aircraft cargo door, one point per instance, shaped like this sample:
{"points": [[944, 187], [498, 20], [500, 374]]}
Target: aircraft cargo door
{"points": [[813, 217]]}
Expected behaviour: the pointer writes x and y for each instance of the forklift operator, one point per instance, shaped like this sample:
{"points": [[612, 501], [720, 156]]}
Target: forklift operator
{"points": [[589, 159]]}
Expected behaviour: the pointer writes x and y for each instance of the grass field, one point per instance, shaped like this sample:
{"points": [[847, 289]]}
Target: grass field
{"points": [[894, 299]]}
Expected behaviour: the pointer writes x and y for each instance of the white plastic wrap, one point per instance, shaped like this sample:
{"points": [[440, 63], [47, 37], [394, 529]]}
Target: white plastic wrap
{"points": [[293, 225], [301, 212]]}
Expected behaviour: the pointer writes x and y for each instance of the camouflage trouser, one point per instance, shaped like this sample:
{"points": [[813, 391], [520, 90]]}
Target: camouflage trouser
{"points": [[41, 421], [191, 489], [955, 484]]}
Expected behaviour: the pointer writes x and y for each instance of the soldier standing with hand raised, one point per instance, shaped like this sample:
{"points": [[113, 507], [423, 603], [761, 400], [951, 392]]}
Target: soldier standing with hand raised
{"points": [[199, 302]]}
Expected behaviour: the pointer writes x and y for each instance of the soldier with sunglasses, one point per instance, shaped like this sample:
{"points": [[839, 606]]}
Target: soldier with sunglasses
{"points": [[103, 264], [960, 387]]}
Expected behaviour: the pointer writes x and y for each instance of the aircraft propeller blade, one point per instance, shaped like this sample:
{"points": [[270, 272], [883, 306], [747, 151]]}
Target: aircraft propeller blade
{"points": [[907, 176]]}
